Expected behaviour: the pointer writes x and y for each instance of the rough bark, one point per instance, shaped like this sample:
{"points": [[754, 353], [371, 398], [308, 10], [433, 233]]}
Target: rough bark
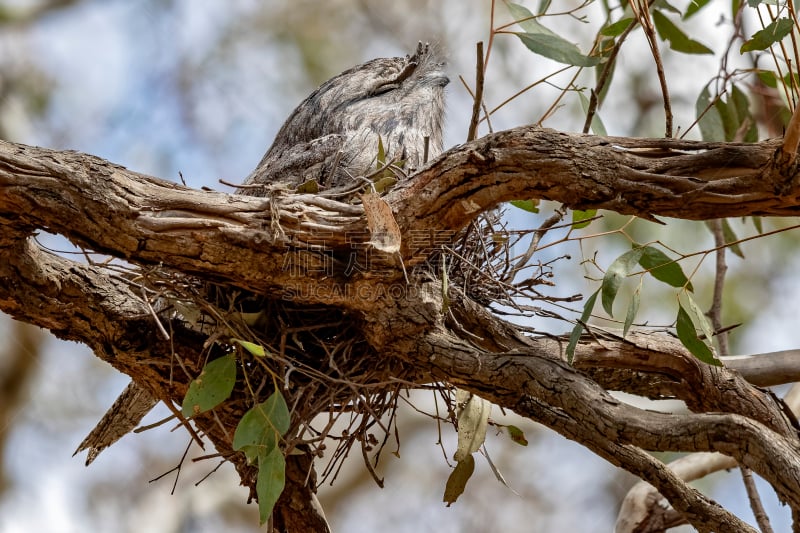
{"points": [[247, 242]]}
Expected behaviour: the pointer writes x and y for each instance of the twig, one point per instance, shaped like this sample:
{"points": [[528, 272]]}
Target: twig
{"points": [[155, 424], [152, 311], [176, 469], [185, 423], [594, 99], [642, 10], [476, 104], [755, 500], [551, 221], [715, 312]]}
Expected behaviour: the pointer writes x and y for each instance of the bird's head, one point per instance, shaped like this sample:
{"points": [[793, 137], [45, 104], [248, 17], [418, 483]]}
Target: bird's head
{"points": [[400, 99]]}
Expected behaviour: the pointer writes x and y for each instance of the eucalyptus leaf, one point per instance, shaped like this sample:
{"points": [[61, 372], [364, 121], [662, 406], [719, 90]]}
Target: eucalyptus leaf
{"points": [[270, 482], [620, 269], [532, 206], [616, 29], [556, 48], [517, 435], [688, 337], [633, 308], [710, 120], [581, 219], [663, 268], [597, 124], [457, 481], [473, 419], [212, 387], [773, 33], [694, 7], [575, 335], [253, 348], [730, 237], [678, 41], [700, 318], [543, 41], [261, 427]]}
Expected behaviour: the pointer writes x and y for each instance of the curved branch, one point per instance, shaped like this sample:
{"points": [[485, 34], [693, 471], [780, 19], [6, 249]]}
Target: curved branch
{"points": [[280, 244], [546, 389], [271, 244]]}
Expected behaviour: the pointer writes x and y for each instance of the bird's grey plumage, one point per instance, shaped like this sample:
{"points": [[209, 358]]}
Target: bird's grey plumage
{"points": [[331, 137], [333, 134], [120, 419]]}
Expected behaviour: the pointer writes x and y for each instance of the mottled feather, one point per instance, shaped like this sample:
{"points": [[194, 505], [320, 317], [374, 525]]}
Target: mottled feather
{"points": [[399, 100]]}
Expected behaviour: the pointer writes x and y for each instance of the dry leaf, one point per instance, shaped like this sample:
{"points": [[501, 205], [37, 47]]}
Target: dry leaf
{"points": [[384, 231]]}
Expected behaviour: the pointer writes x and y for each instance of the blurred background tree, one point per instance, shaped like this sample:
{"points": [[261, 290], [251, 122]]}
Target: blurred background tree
{"points": [[171, 87]]}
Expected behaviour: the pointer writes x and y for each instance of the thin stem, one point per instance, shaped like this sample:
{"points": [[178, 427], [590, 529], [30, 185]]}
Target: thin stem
{"points": [[476, 104], [755, 500], [594, 99], [715, 313], [642, 10]]}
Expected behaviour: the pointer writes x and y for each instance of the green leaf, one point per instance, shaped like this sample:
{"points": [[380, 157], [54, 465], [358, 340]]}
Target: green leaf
{"points": [[541, 40], [700, 318], [253, 348], [678, 40], [457, 480], [730, 237], [688, 337], [261, 427], [212, 387], [633, 308], [616, 29], [768, 78], [665, 6], [557, 49], [381, 159], [710, 121], [737, 121], [730, 119], [581, 219], [381, 185], [616, 273], [531, 206], [597, 124], [526, 20], [664, 269], [517, 435], [694, 7], [739, 101], [575, 336], [770, 35], [270, 482], [758, 224]]}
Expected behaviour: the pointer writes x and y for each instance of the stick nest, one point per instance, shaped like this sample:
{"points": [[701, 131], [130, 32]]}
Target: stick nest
{"points": [[338, 388]]}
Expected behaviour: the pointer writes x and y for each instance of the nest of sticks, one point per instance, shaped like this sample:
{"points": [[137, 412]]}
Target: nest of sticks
{"points": [[339, 390]]}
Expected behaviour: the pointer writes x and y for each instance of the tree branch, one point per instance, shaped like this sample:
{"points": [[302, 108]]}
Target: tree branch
{"points": [[566, 400], [109, 209], [280, 245]]}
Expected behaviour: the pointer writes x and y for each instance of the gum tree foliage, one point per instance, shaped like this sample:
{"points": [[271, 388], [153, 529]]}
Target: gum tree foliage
{"points": [[414, 320]]}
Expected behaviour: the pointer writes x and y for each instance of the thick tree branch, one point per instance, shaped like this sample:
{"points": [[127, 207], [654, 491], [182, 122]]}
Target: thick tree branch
{"points": [[555, 394], [109, 209], [281, 245]]}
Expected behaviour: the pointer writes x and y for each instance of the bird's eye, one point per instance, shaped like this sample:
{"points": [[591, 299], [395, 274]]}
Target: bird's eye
{"points": [[385, 88]]}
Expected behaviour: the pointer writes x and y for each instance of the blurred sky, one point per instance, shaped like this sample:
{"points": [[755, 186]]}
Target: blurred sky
{"points": [[200, 88]]}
